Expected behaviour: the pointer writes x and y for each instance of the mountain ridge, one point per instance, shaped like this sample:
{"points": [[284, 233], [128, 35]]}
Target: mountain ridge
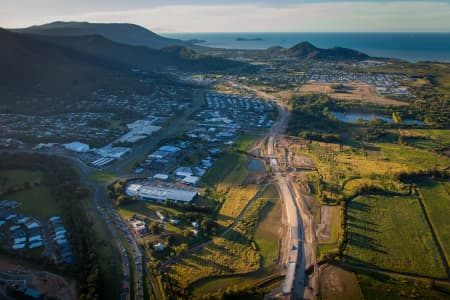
{"points": [[124, 33], [307, 51]]}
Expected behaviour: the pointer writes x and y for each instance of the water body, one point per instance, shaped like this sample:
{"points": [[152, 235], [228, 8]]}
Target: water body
{"points": [[256, 165], [407, 46], [355, 117]]}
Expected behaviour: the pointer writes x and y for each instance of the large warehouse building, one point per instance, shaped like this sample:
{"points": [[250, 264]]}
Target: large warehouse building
{"points": [[150, 192]]}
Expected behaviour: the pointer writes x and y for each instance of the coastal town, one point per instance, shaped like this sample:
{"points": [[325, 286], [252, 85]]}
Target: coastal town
{"points": [[135, 166]]}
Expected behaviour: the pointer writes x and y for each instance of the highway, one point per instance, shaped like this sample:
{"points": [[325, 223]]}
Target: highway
{"points": [[294, 252], [125, 285], [300, 248]]}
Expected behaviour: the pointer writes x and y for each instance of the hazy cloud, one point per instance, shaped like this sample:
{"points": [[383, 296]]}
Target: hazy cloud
{"points": [[267, 16]]}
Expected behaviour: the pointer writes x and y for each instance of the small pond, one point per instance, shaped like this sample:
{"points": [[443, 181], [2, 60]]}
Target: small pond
{"points": [[256, 165], [354, 117]]}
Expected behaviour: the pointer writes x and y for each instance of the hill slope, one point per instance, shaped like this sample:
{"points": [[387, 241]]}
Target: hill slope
{"points": [[140, 56], [35, 69], [129, 34], [307, 51], [28, 62]]}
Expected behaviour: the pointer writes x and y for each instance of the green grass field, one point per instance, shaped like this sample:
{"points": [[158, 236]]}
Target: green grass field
{"points": [[17, 178], [245, 141], [101, 177], [429, 139], [437, 203], [224, 165], [413, 158], [231, 185], [236, 198], [36, 202], [250, 249], [145, 208], [379, 286], [267, 232], [391, 233]]}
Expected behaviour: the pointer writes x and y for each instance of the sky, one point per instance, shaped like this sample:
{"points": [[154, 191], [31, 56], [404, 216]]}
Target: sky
{"points": [[176, 16]]}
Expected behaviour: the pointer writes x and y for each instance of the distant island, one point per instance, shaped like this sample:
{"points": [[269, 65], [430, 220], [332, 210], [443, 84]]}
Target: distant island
{"points": [[194, 41], [241, 39]]}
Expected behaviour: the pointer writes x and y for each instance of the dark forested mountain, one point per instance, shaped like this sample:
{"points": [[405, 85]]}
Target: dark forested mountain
{"points": [[140, 56], [29, 63], [37, 66], [129, 34], [307, 51]]}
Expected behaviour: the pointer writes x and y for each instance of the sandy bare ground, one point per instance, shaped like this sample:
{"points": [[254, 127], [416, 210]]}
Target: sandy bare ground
{"points": [[356, 91], [336, 283], [302, 162], [324, 227]]}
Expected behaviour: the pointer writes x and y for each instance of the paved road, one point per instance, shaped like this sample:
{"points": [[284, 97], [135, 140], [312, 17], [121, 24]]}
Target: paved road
{"points": [[299, 252], [294, 252]]}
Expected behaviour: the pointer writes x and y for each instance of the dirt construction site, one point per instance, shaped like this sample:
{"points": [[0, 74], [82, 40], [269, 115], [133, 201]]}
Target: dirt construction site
{"points": [[49, 285]]}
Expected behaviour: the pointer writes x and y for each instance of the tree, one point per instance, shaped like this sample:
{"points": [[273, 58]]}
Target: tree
{"points": [[171, 240], [396, 117], [208, 225], [181, 249], [155, 228]]}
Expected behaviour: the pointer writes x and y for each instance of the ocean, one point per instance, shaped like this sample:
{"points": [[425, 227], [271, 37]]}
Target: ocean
{"points": [[407, 46]]}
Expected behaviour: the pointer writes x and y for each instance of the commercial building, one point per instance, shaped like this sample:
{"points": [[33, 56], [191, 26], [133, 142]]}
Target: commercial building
{"points": [[77, 147], [150, 192]]}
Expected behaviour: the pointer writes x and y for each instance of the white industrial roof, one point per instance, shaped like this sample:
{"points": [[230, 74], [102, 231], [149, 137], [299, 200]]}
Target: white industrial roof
{"points": [[132, 189], [161, 176], [191, 179], [170, 149], [77, 146], [160, 193]]}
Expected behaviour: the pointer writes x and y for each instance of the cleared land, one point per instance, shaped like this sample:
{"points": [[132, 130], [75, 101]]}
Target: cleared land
{"points": [[101, 177], [391, 233], [431, 139], [413, 158], [266, 238], [228, 177], [337, 283], [36, 199], [329, 229], [17, 178], [251, 248], [436, 200], [145, 209], [379, 286], [353, 91], [36, 202]]}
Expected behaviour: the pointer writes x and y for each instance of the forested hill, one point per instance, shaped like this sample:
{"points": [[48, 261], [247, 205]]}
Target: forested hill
{"points": [[129, 34], [307, 51], [37, 65]]}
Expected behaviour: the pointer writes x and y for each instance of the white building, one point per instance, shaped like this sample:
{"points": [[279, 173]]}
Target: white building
{"points": [[183, 172], [161, 176], [149, 192], [191, 180], [158, 247], [77, 147]]}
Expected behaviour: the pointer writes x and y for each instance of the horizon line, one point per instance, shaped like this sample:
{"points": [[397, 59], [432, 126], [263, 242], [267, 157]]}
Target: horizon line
{"points": [[314, 32]]}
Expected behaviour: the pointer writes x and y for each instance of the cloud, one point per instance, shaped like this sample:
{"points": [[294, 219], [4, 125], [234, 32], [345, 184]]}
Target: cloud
{"points": [[266, 17]]}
